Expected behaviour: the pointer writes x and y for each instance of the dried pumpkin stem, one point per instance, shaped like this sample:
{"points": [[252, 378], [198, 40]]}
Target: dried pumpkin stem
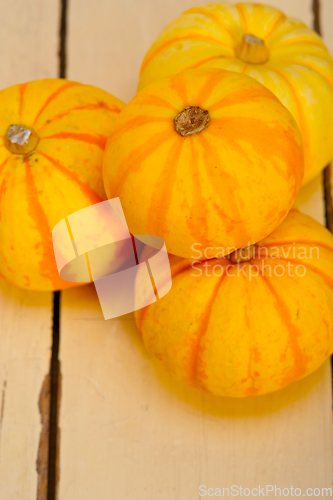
{"points": [[21, 140], [252, 50], [191, 120], [243, 254]]}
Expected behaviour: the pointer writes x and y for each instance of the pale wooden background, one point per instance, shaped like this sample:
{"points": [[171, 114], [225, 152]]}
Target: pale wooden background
{"points": [[126, 430]]}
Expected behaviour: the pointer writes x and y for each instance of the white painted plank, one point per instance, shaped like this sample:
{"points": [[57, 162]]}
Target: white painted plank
{"points": [[127, 430], [29, 44], [25, 333]]}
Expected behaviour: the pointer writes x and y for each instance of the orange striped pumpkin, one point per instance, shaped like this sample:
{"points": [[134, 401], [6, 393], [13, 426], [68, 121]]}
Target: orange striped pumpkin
{"points": [[262, 42], [207, 156], [248, 327], [53, 134]]}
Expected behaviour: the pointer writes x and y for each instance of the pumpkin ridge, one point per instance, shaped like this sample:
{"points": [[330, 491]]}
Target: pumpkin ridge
{"points": [[212, 16], [302, 122], [242, 96], [230, 136], [47, 265], [167, 180], [137, 157], [178, 85], [85, 107], [200, 333], [98, 140], [4, 163], [198, 231], [325, 277], [280, 18], [3, 183], [203, 61], [213, 79], [85, 188], [310, 67], [242, 15], [53, 96], [153, 100], [190, 36], [290, 43], [134, 123], [22, 90], [211, 159], [299, 367]]}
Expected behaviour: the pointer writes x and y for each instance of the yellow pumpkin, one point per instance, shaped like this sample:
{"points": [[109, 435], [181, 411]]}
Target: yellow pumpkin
{"points": [[260, 41], [238, 327], [53, 134], [206, 156]]}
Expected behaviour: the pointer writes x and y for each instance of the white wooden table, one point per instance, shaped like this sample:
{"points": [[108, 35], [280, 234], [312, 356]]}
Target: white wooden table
{"points": [[127, 432]]}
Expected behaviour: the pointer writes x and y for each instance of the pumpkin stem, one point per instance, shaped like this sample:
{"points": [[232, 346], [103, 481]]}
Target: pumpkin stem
{"points": [[191, 120], [243, 254], [252, 50], [21, 140]]}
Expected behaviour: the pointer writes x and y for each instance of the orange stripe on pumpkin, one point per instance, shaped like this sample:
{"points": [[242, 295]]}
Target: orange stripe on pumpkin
{"points": [[3, 185], [153, 100], [92, 196], [47, 264], [136, 158], [22, 89], [133, 124], [203, 321], [280, 18], [311, 68], [213, 17], [178, 84], [204, 61], [213, 79], [252, 130], [190, 36], [301, 117], [322, 274], [299, 367], [298, 41], [211, 161], [162, 193], [53, 96], [243, 96], [98, 140], [243, 16], [86, 107]]}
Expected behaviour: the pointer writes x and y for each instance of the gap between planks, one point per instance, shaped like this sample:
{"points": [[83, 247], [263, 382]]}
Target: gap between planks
{"points": [[49, 402]]}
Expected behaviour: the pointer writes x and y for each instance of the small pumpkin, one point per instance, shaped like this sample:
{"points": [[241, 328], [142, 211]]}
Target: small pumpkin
{"points": [[262, 42], [250, 323], [206, 156], [53, 134]]}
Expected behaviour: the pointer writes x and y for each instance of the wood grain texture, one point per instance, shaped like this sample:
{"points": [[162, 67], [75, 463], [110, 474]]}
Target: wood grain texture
{"points": [[29, 42], [25, 329], [127, 430]]}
